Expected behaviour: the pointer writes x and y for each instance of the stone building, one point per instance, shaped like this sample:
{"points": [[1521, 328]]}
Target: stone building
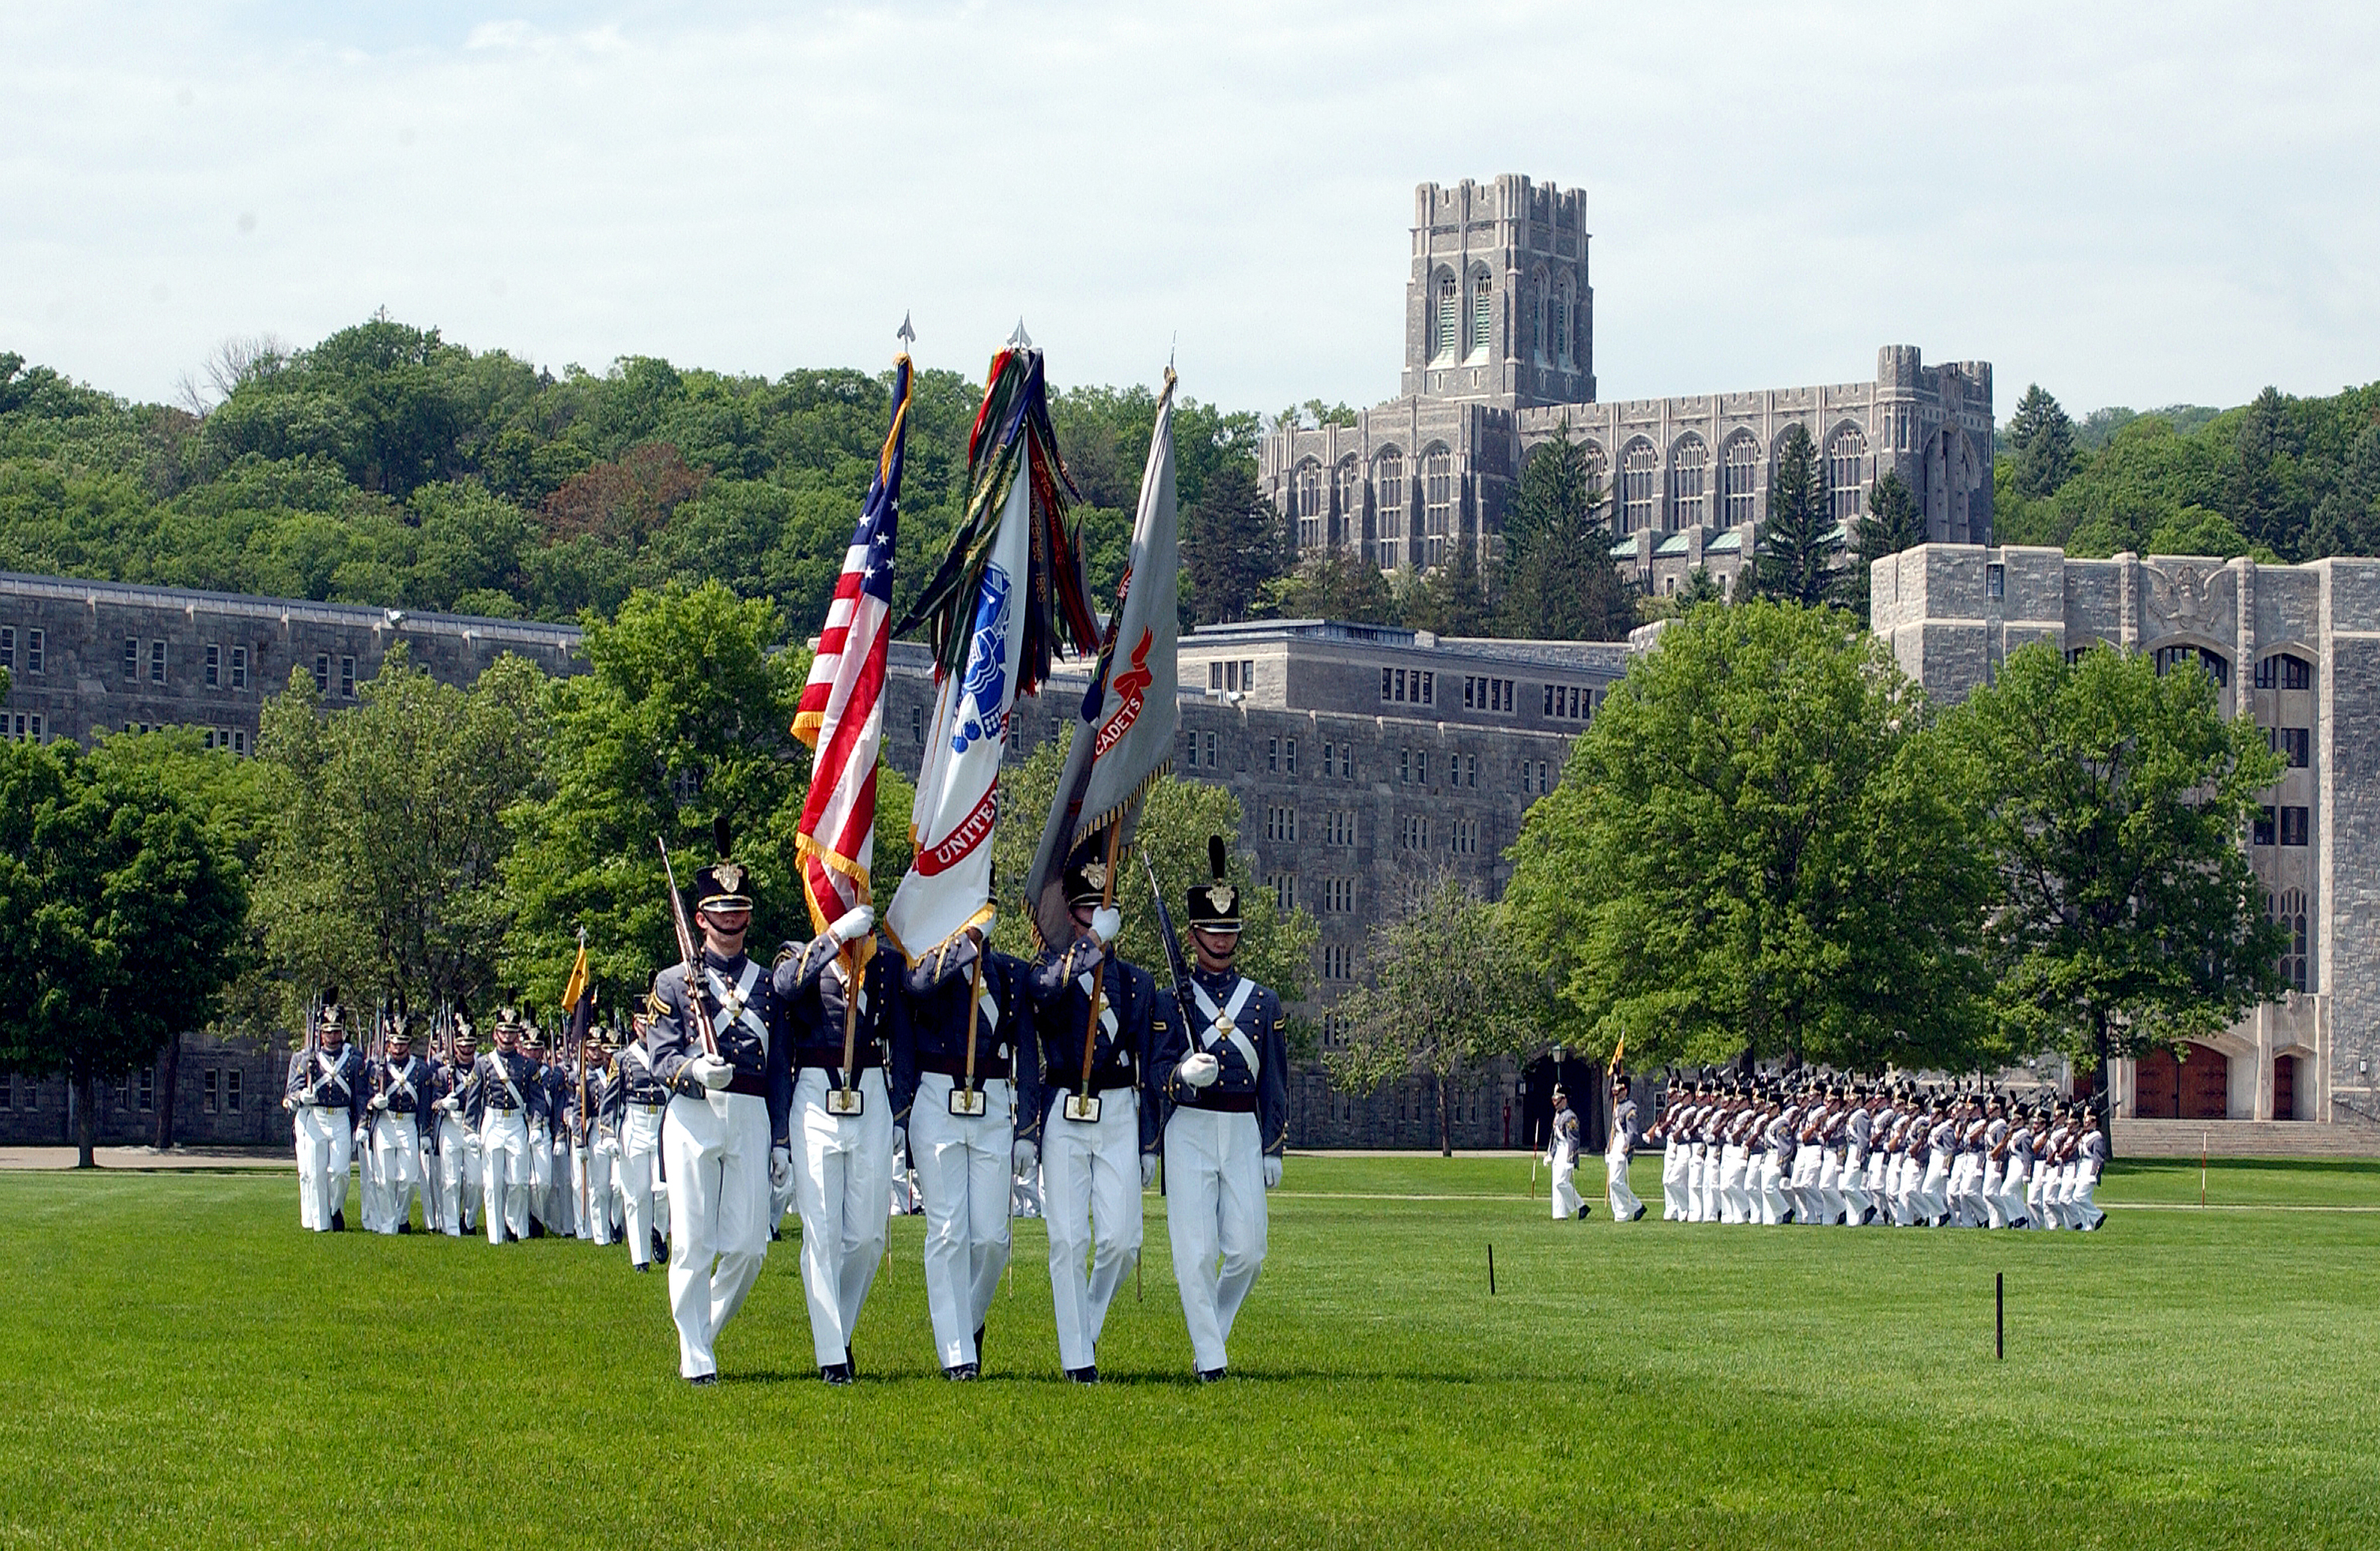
{"points": [[1500, 355], [2298, 648]]}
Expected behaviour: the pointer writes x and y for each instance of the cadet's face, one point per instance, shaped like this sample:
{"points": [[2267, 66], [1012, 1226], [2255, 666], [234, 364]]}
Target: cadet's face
{"points": [[1215, 950], [725, 928], [1083, 913]]}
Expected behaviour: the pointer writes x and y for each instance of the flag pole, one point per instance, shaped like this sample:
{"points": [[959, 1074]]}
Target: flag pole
{"points": [[1099, 981]]}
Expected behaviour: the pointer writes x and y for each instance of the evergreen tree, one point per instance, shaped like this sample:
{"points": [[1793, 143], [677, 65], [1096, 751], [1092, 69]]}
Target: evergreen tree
{"points": [[1890, 525], [1559, 582], [1451, 600], [1335, 584], [1701, 588], [1232, 543], [1798, 545], [2265, 497], [2043, 439], [2348, 521]]}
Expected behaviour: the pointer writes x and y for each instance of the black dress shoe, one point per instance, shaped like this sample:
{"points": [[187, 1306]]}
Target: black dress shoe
{"points": [[404, 1228], [962, 1371], [850, 1363], [1209, 1375], [338, 1222], [1087, 1374], [978, 1346], [1583, 1211], [835, 1373], [535, 1229], [1639, 1212], [661, 1249], [704, 1378], [643, 1266]]}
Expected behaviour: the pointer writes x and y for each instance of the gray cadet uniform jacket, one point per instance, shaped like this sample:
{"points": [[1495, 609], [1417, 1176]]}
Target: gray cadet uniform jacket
{"points": [[504, 1080], [407, 1085], [763, 1067], [814, 1006], [1263, 1092], [930, 1022], [330, 1082], [1062, 1011], [1625, 1135]]}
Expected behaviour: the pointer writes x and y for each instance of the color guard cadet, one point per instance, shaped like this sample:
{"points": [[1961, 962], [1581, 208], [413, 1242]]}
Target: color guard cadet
{"points": [[458, 1141], [325, 1099], [1095, 1132], [1225, 1084], [842, 1125], [962, 1027], [636, 1100], [1562, 1160], [400, 1099], [1618, 1152], [502, 1102]]}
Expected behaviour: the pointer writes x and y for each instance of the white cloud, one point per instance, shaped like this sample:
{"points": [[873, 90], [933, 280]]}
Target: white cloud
{"points": [[2166, 204]]}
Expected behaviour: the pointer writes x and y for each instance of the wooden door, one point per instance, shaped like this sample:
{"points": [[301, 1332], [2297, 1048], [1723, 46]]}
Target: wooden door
{"points": [[2156, 1086], [2285, 1087], [2205, 1085]]}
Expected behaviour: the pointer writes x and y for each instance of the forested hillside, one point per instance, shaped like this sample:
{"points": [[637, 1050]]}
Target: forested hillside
{"points": [[387, 465]]}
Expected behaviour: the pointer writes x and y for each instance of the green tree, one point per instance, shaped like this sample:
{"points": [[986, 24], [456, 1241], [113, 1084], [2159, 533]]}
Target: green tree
{"points": [[1701, 588], [1759, 849], [120, 920], [1451, 598], [2042, 436], [382, 872], [684, 718], [1799, 542], [1890, 525], [1451, 990], [1334, 583], [1558, 580], [1232, 543], [2348, 521], [2115, 797]]}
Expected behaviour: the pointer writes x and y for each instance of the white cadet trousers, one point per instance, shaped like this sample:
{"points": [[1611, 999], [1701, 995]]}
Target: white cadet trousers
{"points": [[1990, 1187], [2010, 1204], [397, 1163], [965, 1176], [1673, 1181], [592, 1191], [1702, 1183], [1769, 1173], [326, 1147], [1933, 1186], [1802, 1188], [2086, 1184], [1215, 1219], [843, 1177], [1735, 1204], [1852, 1186], [644, 1203], [1617, 1192], [717, 1149], [458, 1172], [1090, 1191], [1965, 1176], [1563, 1197], [504, 1173]]}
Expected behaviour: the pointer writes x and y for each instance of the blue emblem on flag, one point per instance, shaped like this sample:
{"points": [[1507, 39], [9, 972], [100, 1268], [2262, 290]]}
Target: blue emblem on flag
{"points": [[983, 689]]}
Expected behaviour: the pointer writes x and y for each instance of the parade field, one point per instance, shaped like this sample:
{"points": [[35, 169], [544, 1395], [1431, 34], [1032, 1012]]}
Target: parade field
{"points": [[184, 1367]]}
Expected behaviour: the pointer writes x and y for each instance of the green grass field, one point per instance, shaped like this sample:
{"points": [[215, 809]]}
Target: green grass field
{"points": [[184, 1367]]}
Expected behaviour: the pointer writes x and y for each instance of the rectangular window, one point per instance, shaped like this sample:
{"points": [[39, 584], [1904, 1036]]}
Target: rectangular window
{"points": [[1338, 828], [239, 741], [2293, 826], [148, 1089], [156, 662], [240, 667], [8, 1084], [2269, 673], [214, 666], [8, 646], [1995, 581], [321, 673], [2266, 825], [1404, 767], [2296, 672], [1247, 674], [1289, 756], [1413, 834], [916, 724], [1466, 837], [208, 1091], [1210, 748], [1470, 771], [33, 643], [231, 1091], [2293, 744], [1280, 822], [1421, 767], [1284, 890], [132, 658], [347, 678], [1272, 754]]}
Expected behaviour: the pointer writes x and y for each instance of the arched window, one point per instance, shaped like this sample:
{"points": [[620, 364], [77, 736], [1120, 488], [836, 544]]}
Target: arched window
{"points": [[1389, 486], [1738, 473], [1846, 462], [1562, 324], [1437, 502], [1306, 503], [1687, 457], [1449, 317], [1591, 454], [2290, 916], [1640, 469], [1483, 312], [2218, 666], [1542, 305], [1350, 499], [2284, 671]]}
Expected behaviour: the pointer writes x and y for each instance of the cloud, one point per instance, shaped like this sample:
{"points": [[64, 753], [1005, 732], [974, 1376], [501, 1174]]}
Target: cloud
{"points": [[2167, 204]]}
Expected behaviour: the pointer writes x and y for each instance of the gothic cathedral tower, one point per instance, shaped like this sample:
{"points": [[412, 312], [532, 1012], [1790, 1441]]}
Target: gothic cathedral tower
{"points": [[1498, 309]]}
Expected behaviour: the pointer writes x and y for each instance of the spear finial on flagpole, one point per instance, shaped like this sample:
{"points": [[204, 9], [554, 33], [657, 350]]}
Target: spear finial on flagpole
{"points": [[906, 336], [1020, 340]]}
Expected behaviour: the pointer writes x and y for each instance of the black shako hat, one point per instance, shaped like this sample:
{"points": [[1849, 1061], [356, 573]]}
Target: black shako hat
{"points": [[1086, 877], [1215, 906], [719, 886]]}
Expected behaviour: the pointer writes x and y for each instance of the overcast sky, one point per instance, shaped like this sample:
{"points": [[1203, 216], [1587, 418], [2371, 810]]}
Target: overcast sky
{"points": [[2131, 204]]}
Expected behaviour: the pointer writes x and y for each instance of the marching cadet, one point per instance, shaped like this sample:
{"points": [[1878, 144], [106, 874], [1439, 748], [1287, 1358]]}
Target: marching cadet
{"points": [[1674, 1154], [1618, 1152], [724, 1139], [502, 1102], [548, 1140], [1562, 1160], [593, 1151], [2090, 1158], [325, 1099], [962, 1027], [400, 1099], [1858, 1125], [636, 1100], [1226, 1084], [458, 1143], [842, 1126], [1095, 1132]]}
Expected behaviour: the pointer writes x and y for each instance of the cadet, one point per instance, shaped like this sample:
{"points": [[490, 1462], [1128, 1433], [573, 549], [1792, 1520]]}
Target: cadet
{"points": [[1673, 1155], [593, 1149], [842, 1127], [458, 1143], [1562, 1160], [401, 1095], [1617, 1153], [548, 1140], [724, 1139], [962, 1027], [502, 1102], [325, 1099], [1096, 1138], [1226, 1082], [637, 1101]]}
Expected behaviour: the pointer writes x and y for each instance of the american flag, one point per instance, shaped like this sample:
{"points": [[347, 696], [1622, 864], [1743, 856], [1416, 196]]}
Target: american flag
{"points": [[842, 713]]}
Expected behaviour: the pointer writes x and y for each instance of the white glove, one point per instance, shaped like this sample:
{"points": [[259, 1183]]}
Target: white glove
{"points": [[1025, 1156], [900, 1141], [363, 1135], [379, 1101], [607, 1146], [1199, 1070], [290, 1105], [1106, 922], [452, 1105], [852, 925], [1148, 1169], [712, 1071], [780, 1168], [1272, 1172]]}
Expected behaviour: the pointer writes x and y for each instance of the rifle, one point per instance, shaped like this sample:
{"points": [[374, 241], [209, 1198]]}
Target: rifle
{"points": [[1179, 965], [696, 1002]]}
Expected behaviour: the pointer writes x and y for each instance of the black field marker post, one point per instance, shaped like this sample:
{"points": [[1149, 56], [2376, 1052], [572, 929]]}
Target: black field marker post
{"points": [[1999, 1315], [1491, 1270]]}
